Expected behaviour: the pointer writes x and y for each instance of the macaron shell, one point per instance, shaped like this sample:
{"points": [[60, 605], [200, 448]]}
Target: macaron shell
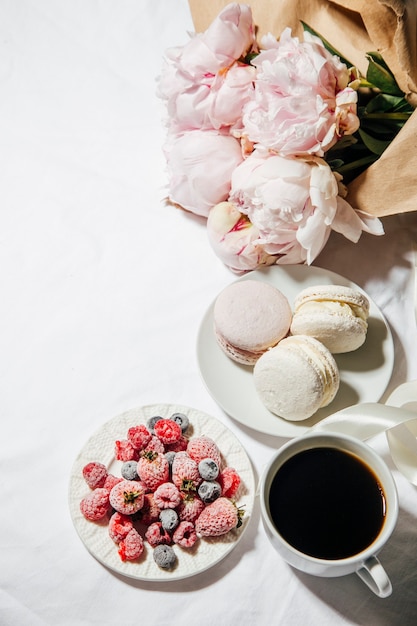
{"points": [[296, 378], [251, 316], [240, 356], [335, 315]]}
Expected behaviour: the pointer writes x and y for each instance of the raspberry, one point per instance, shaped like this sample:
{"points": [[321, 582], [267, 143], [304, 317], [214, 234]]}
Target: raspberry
{"points": [[185, 535], [119, 526], [95, 505], [182, 420], [124, 451], [139, 436], [155, 445], [129, 470], [167, 496], [203, 447], [167, 431], [164, 556], [209, 490], [95, 474], [178, 446], [150, 511], [127, 497], [131, 547], [217, 518], [111, 481], [185, 474], [169, 519], [229, 481], [156, 535], [153, 469], [209, 469], [190, 508]]}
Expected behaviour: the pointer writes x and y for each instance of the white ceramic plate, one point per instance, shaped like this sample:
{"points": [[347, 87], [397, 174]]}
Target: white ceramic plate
{"points": [[207, 552], [364, 373]]}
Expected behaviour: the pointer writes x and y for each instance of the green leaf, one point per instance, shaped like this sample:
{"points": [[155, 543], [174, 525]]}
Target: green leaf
{"points": [[377, 146], [383, 102], [326, 44], [381, 76]]}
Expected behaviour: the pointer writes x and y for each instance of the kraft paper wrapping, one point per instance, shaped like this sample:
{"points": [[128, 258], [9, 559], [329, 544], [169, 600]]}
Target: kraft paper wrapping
{"points": [[355, 27]]}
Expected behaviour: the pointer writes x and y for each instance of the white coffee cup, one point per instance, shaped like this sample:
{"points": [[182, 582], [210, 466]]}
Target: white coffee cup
{"points": [[364, 562]]}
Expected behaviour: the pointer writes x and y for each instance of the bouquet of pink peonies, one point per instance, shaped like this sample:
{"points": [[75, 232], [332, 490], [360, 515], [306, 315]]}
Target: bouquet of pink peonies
{"points": [[260, 135]]}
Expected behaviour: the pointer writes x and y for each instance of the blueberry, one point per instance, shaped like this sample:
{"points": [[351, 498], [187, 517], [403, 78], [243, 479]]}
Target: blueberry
{"points": [[209, 470], [170, 457], [164, 556], [209, 491], [129, 470], [169, 519], [151, 421], [182, 420]]}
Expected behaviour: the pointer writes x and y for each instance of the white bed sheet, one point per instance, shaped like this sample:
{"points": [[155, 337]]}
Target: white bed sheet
{"points": [[103, 287]]}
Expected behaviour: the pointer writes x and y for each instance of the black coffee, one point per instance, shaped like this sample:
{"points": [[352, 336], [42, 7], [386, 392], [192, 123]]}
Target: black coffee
{"points": [[327, 503]]}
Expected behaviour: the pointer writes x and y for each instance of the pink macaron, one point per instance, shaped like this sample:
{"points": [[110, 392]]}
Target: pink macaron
{"points": [[250, 317]]}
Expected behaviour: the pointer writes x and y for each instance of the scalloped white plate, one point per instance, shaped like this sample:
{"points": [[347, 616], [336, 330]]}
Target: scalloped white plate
{"points": [[207, 552], [364, 373]]}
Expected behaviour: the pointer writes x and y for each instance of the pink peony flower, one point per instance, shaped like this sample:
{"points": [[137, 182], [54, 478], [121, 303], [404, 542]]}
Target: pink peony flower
{"points": [[235, 240], [200, 166], [201, 82], [294, 204], [302, 102]]}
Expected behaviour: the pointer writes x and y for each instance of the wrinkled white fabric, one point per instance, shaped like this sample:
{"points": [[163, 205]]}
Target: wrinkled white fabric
{"points": [[103, 288]]}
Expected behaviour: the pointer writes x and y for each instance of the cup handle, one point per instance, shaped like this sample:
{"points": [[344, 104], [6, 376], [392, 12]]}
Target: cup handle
{"points": [[375, 577]]}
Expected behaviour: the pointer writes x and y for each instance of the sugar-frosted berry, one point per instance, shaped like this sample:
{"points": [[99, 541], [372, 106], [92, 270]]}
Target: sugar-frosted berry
{"points": [[119, 526], [185, 535], [164, 556], [167, 496], [167, 431], [229, 481], [129, 470], [203, 447], [156, 534], [95, 474], [131, 547], [139, 436], [169, 519], [95, 505], [124, 451], [127, 496], [182, 420], [208, 468], [209, 491]]}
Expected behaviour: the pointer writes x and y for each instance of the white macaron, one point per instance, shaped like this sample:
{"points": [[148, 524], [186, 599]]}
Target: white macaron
{"points": [[335, 315], [296, 378]]}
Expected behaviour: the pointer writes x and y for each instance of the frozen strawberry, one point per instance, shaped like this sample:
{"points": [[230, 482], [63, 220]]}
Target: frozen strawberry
{"points": [[229, 481], [168, 431], [139, 436], [156, 535], [185, 535], [127, 497], [95, 505], [153, 469], [190, 507], [124, 451], [185, 474], [167, 496], [203, 447], [131, 548], [119, 526], [217, 518], [95, 474]]}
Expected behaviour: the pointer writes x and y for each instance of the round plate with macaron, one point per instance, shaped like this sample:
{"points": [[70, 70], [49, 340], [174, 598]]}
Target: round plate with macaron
{"points": [[364, 372]]}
